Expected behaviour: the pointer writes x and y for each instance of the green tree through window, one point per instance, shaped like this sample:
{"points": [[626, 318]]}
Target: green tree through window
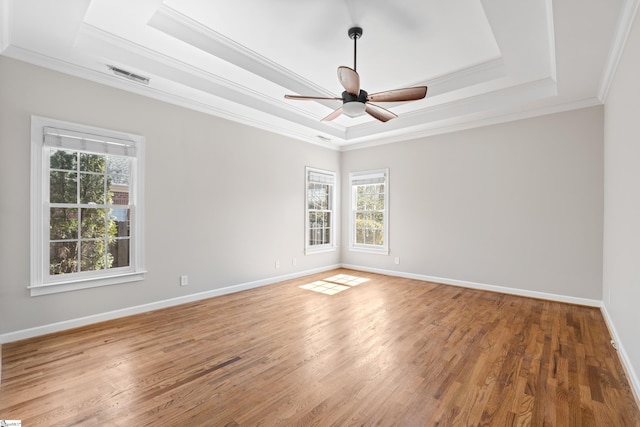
{"points": [[82, 227], [369, 224], [87, 198], [369, 214]]}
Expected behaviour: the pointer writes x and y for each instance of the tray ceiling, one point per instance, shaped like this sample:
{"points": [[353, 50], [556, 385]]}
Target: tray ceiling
{"points": [[484, 61]]}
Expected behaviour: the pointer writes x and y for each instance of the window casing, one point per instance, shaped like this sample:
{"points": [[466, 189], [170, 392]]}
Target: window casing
{"points": [[369, 213], [320, 218], [86, 197]]}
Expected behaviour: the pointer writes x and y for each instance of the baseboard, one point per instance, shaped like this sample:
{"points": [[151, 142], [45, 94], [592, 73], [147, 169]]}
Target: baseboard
{"points": [[482, 286], [83, 321], [624, 357], [115, 314]]}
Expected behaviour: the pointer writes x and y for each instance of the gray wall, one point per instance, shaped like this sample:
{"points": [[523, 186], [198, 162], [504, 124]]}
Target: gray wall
{"points": [[622, 203], [223, 200], [517, 205]]}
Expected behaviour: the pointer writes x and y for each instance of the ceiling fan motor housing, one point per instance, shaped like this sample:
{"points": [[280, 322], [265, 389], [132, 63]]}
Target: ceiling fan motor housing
{"points": [[349, 97], [352, 105]]}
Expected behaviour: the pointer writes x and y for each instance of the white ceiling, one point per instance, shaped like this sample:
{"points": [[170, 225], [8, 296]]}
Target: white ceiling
{"points": [[485, 61]]}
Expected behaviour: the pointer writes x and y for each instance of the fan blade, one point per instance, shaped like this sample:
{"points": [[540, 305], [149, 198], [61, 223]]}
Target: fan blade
{"points": [[310, 98], [333, 115], [349, 79], [399, 95], [379, 113]]}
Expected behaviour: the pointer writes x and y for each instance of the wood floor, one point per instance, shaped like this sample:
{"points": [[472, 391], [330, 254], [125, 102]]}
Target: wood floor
{"points": [[386, 351]]}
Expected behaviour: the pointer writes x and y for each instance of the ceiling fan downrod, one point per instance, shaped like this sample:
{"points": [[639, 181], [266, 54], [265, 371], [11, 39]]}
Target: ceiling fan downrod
{"points": [[355, 33], [356, 101]]}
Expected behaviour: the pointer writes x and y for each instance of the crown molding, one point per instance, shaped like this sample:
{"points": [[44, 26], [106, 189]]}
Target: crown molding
{"points": [[623, 28], [103, 78], [456, 111], [473, 122], [321, 138], [107, 46]]}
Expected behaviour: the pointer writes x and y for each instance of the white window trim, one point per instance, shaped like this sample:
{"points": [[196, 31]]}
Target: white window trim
{"points": [[40, 281], [373, 249], [314, 249]]}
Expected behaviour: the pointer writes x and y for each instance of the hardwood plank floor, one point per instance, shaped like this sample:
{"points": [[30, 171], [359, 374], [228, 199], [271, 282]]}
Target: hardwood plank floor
{"points": [[387, 351]]}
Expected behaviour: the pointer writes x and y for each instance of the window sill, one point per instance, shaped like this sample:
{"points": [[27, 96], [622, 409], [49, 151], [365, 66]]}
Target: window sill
{"points": [[86, 283], [311, 251], [369, 250]]}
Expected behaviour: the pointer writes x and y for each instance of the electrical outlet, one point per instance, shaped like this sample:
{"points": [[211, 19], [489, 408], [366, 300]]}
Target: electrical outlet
{"points": [[184, 280], [397, 260], [294, 261], [277, 263]]}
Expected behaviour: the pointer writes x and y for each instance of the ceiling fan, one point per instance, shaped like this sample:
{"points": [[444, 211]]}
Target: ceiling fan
{"points": [[356, 101]]}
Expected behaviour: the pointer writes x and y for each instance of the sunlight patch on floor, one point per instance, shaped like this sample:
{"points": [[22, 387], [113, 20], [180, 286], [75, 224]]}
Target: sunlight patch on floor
{"points": [[324, 287], [334, 284], [346, 279]]}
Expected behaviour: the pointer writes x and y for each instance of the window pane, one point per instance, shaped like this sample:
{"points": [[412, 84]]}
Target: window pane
{"points": [[119, 222], [119, 168], [323, 196], [119, 252], [368, 237], [63, 257], [63, 224], [318, 196], [379, 205], [360, 198], [93, 222], [377, 220], [92, 189], [63, 187], [119, 194], [327, 236], [93, 255], [93, 163], [62, 159], [310, 188]]}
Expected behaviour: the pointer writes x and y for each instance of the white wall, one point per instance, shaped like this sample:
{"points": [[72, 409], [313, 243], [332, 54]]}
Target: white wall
{"points": [[515, 205], [622, 204], [223, 200]]}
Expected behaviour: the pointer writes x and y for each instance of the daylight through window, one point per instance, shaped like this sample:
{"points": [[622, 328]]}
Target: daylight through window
{"points": [[369, 211], [320, 228], [88, 230]]}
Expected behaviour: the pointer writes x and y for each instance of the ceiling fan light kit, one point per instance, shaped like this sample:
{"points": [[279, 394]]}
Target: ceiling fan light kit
{"points": [[353, 109], [356, 101]]}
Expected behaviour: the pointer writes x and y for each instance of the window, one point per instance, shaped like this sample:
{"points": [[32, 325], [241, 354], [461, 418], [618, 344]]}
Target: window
{"points": [[320, 221], [369, 224], [86, 196]]}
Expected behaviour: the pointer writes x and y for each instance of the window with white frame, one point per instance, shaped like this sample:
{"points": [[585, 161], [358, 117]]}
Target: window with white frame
{"points": [[86, 214], [369, 222], [320, 214]]}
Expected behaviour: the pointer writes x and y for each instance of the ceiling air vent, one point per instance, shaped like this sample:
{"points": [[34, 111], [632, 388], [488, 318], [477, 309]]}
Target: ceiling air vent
{"points": [[129, 75]]}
